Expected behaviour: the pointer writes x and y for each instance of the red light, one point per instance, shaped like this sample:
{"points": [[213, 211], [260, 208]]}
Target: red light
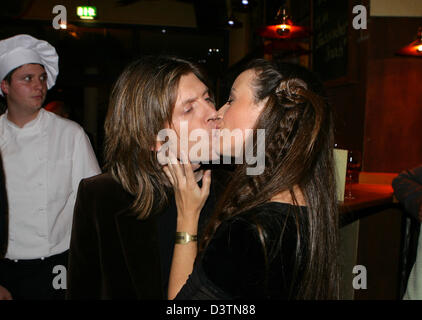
{"points": [[415, 48], [284, 31]]}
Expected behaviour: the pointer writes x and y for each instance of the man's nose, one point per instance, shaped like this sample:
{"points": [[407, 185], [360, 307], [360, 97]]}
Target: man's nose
{"points": [[38, 84], [212, 113]]}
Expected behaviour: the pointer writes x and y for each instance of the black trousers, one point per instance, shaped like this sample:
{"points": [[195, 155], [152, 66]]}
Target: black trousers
{"points": [[38, 279]]}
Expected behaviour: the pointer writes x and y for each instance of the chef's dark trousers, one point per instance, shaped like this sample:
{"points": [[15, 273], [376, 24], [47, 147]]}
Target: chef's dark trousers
{"points": [[37, 279]]}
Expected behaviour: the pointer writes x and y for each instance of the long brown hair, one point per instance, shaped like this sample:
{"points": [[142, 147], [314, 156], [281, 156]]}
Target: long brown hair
{"points": [[141, 103], [298, 152]]}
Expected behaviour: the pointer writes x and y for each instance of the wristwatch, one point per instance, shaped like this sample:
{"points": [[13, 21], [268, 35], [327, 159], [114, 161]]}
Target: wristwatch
{"points": [[184, 237]]}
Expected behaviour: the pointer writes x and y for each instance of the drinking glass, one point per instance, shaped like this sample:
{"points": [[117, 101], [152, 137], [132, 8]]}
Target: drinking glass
{"points": [[352, 172]]}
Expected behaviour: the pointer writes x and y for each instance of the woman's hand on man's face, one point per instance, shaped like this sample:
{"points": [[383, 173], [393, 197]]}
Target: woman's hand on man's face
{"points": [[190, 198]]}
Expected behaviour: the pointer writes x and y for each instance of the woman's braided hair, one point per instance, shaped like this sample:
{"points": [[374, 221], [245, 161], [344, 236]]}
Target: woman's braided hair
{"points": [[298, 152]]}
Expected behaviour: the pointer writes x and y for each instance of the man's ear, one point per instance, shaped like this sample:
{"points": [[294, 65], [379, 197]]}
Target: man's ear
{"points": [[4, 87]]}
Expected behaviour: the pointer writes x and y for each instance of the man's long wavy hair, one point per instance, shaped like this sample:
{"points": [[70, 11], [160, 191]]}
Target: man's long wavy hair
{"points": [[299, 152], [141, 103]]}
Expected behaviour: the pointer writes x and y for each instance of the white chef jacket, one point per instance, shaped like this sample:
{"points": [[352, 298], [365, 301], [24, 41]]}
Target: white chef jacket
{"points": [[43, 162]]}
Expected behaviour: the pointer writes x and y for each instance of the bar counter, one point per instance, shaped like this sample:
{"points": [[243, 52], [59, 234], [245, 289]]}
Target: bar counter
{"points": [[368, 199], [371, 236]]}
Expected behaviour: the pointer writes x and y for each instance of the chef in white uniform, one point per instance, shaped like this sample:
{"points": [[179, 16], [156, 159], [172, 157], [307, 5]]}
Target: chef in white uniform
{"points": [[45, 157]]}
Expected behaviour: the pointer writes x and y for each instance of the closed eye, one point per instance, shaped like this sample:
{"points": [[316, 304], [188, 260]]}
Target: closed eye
{"points": [[187, 110], [210, 100]]}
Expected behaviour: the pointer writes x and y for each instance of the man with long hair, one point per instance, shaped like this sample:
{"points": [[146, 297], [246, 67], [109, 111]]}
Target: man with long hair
{"points": [[125, 219]]}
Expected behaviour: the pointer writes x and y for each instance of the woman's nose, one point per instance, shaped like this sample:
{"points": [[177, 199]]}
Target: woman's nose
{"points": [[222, 111], [212, 115]]}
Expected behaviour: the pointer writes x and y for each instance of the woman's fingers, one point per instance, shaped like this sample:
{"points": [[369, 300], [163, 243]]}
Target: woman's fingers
{"points": [[190, 176], [170, 161], [206, 183], [183, 177], [190, 198], [168, 174], [175, 169]]}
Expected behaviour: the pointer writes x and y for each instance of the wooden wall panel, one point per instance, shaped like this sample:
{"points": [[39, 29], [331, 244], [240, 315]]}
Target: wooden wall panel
{"points": [[393, 121], [348, 103], [348, 98], [387, 35]]}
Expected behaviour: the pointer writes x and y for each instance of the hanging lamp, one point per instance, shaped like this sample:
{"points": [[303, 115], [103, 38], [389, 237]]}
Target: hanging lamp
{"points": [[413, 49], [283, 28]]}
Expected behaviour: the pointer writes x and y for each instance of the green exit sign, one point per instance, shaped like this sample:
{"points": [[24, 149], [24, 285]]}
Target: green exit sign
{"points": [[86, 12]]}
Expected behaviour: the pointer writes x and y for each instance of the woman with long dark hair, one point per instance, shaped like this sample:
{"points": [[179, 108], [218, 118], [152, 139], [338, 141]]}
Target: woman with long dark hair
{"points": [[275, 234]]}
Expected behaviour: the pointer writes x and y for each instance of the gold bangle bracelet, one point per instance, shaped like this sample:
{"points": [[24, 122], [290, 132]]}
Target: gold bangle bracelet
{"points": [[184, 238]]}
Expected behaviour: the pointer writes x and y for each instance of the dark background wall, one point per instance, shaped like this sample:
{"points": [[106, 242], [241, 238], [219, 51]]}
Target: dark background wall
{"points": [[393, 108], [377, 101]]}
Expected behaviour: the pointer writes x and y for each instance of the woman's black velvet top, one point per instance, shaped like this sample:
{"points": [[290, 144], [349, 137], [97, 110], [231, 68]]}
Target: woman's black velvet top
{"points": [[238, 265]]}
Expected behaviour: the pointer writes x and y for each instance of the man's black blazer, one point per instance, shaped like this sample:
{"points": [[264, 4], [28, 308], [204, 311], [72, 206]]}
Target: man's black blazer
{"points": [[112, 254]]}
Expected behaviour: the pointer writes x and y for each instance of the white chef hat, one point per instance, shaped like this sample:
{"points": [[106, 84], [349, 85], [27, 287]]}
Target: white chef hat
{"points": [[22, 49]]}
